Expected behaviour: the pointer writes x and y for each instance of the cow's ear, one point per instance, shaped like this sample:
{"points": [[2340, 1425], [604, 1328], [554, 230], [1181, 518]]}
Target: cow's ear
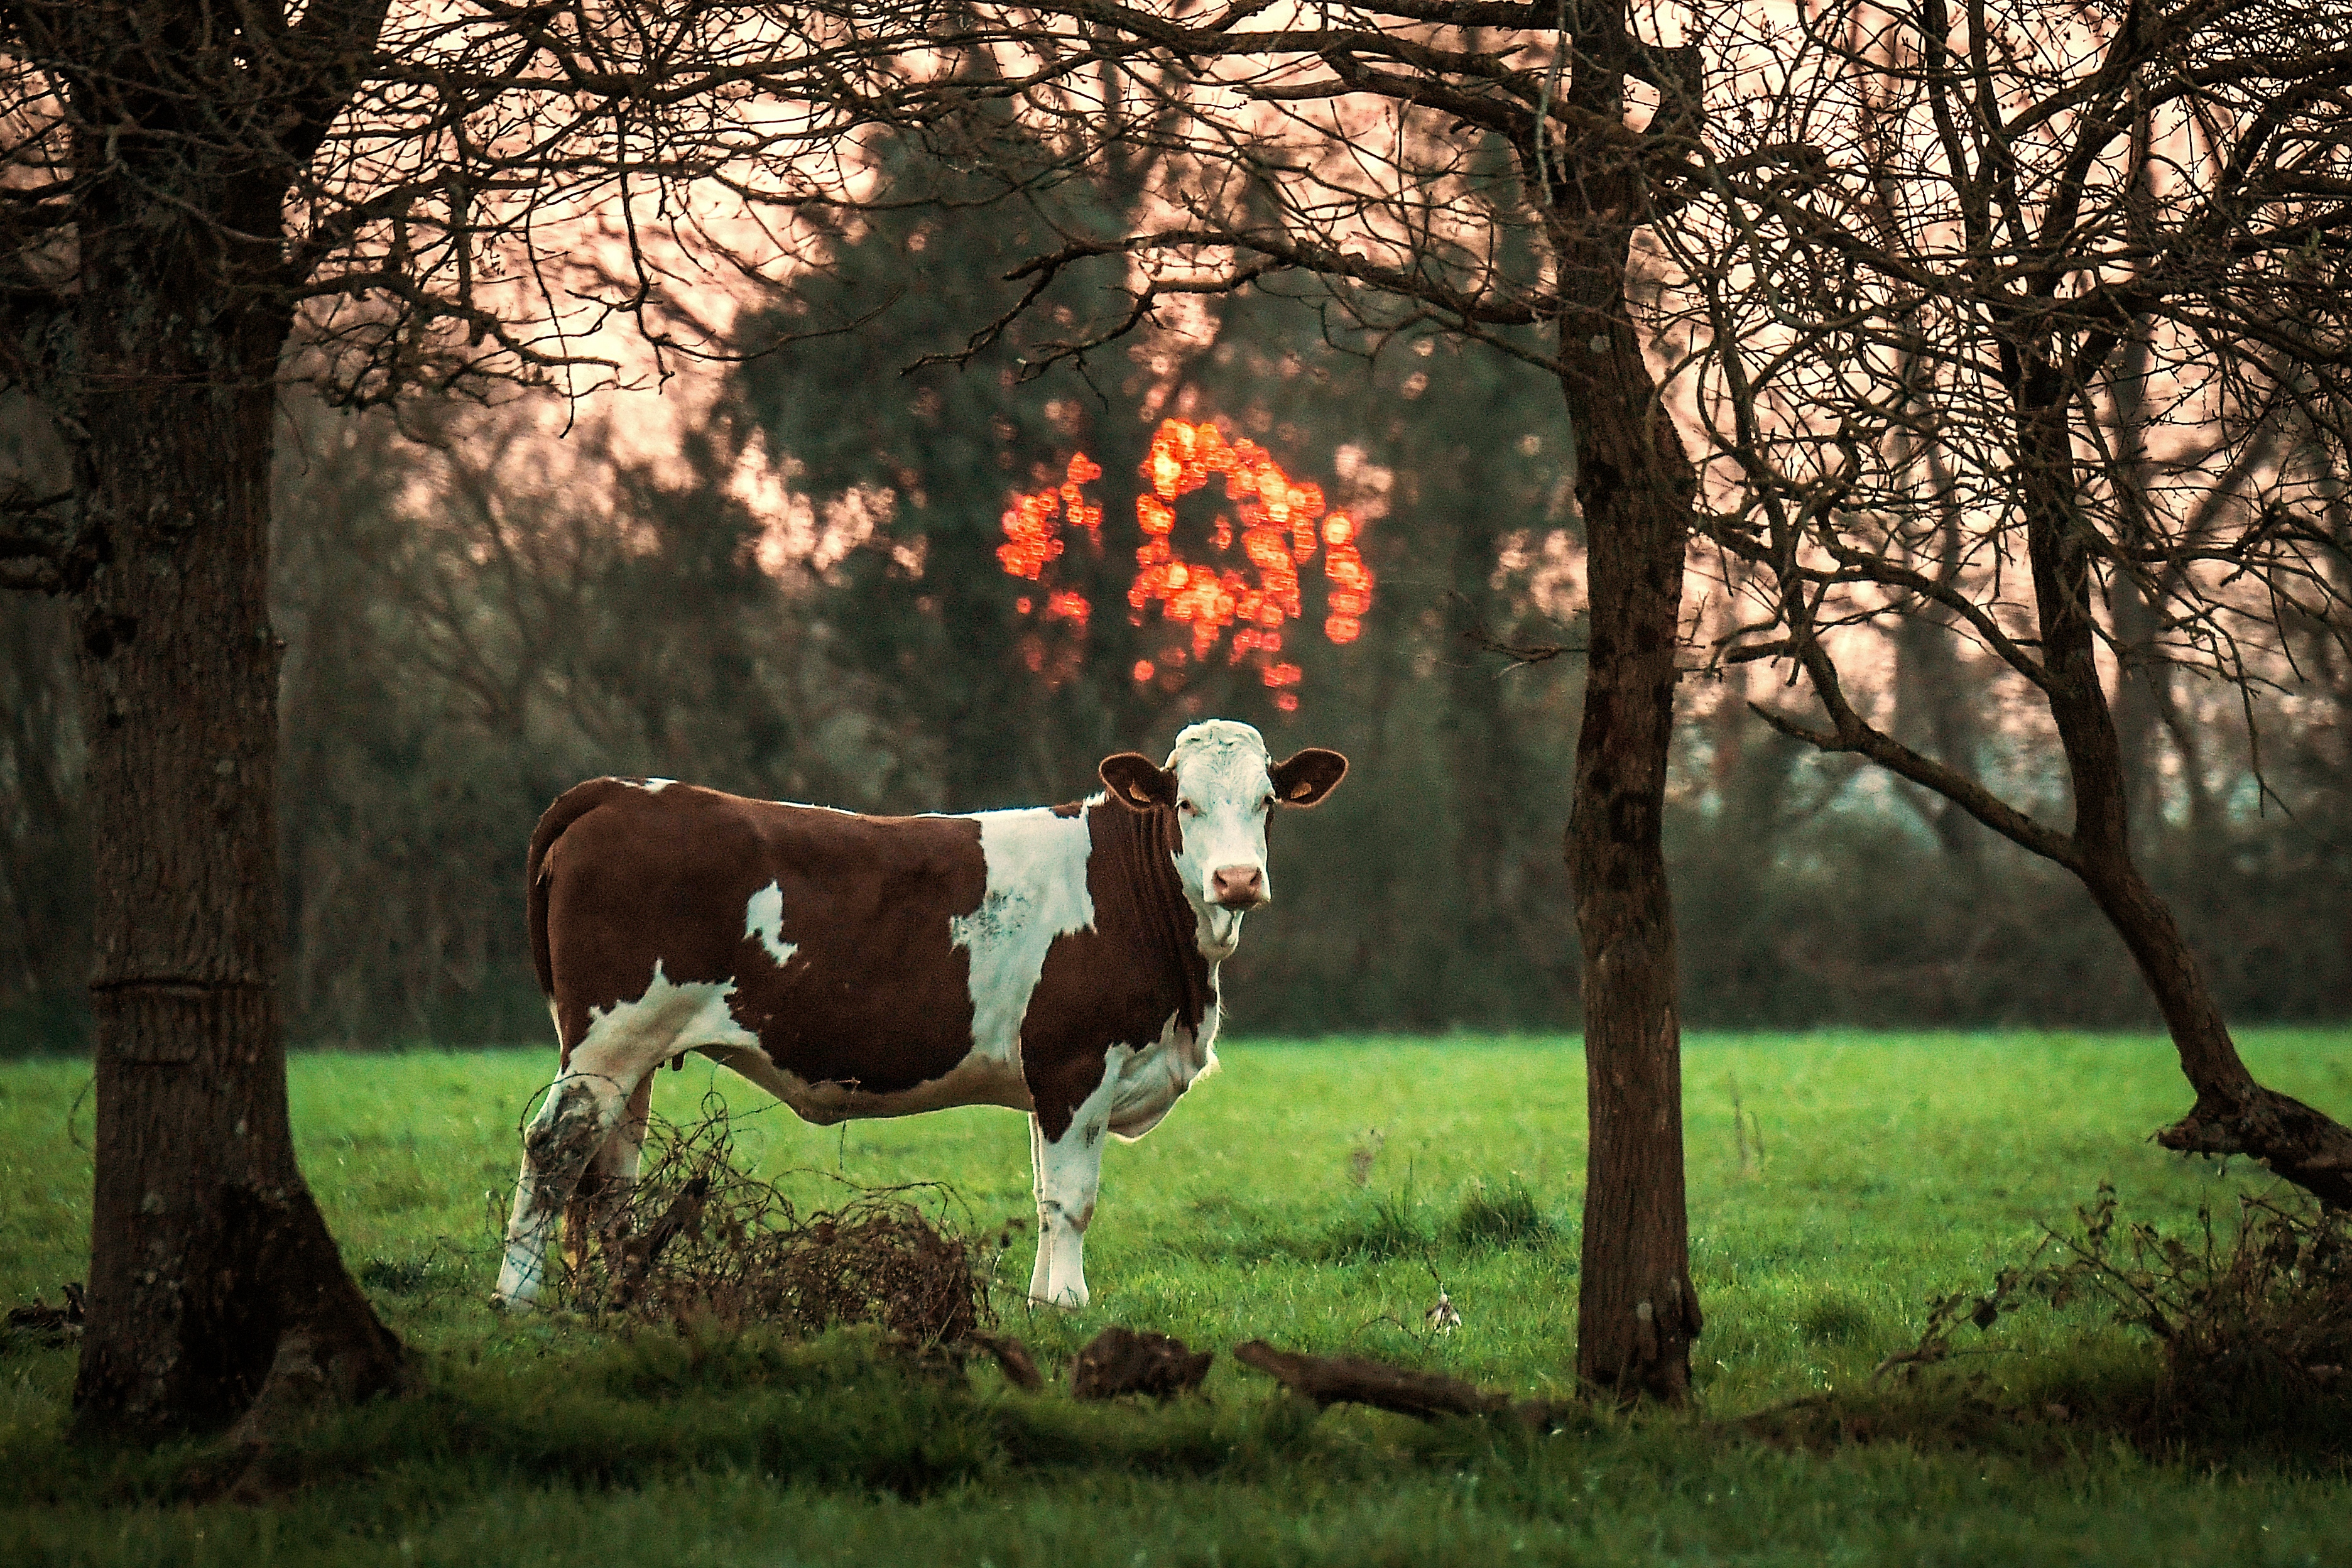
{"points": [[1135, 781], [1307, 777]]}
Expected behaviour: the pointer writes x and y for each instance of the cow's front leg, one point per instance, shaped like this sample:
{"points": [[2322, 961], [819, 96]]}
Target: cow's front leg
{"points": [[1043, 1273], [580, 1113], [1068, 1171]]}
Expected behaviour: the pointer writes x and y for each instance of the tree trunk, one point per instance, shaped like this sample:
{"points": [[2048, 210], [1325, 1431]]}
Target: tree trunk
{"points": [[212, 1274], [2133, 621], [2233, 1114], [1637, 1311]]}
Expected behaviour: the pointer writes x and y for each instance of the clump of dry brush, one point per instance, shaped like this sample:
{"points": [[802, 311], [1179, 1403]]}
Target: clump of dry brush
{"points": [[2254, 1322], [699, 1237]]}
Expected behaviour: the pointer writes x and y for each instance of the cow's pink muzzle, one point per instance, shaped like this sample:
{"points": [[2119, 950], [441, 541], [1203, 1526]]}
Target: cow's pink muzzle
{"points": [[1237, 887]]}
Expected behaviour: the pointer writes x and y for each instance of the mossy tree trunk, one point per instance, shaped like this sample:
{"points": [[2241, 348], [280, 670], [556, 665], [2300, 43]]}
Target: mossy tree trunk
{"points": [[213, 1281]]}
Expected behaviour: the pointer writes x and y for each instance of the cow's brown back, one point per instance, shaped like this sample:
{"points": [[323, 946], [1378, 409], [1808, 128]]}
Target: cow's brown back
{"points": [[873, 995]]}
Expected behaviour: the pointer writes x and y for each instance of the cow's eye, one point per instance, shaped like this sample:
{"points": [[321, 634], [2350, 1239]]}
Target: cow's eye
{"points": [[1187, 808], [1266, 804]]}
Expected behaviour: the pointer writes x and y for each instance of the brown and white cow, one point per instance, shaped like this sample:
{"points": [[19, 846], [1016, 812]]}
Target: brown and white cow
{"points": [[1060, 960]]}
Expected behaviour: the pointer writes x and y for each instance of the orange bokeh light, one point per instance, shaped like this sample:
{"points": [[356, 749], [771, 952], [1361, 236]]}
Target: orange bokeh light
{"points": [[1032, 534], [1274, 520]]}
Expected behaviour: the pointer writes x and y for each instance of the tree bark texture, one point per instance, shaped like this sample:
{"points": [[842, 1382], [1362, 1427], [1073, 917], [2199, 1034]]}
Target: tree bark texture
{"points": [[210, 1265], [1637, 1311], [2233, 1114]]}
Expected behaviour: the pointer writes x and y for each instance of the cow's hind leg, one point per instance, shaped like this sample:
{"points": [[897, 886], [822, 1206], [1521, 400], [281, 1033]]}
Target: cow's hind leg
{"points": [[600, 1202], [579, 1114], [586, 1105]]}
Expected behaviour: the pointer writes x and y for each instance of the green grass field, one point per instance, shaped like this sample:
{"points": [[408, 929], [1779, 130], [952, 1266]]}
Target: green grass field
{"points": [[1892, 1170]]}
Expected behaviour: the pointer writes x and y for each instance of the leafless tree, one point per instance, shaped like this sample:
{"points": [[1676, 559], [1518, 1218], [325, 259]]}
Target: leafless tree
{"points": [[2032, 342], [1483, 168], [198, 199]]}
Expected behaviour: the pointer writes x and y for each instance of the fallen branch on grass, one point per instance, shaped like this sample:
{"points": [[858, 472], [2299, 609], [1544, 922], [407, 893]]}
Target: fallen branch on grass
{"points": [[1020, 1366], [1426, 1396]]}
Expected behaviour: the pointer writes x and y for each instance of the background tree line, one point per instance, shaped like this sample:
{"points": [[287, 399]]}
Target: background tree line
{"points": [[795, 593]]}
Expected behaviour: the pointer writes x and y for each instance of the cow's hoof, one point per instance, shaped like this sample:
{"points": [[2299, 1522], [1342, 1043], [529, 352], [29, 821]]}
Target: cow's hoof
{"points": [[1069, 1299], [503, 1303]]}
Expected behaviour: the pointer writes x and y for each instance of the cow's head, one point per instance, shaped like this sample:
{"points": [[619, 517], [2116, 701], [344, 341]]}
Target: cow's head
{"points": [[1221, 786]]}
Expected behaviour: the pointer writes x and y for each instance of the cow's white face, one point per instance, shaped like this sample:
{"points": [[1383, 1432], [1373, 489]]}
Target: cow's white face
{"points": [[1222, 784]]}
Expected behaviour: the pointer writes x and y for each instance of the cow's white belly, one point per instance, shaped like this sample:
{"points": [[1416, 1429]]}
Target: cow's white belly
{"points": [[1142, 1084], [981, 1078]]}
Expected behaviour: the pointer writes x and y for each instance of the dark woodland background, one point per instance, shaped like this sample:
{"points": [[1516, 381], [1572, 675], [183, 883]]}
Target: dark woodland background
{"points": [[473, 624]]}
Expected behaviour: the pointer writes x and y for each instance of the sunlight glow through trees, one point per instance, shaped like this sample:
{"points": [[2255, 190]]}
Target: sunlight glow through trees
{"points": [[1273, 520]]}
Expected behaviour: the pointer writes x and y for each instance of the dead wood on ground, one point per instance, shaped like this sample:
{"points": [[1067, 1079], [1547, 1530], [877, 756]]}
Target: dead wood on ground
{"points": [[698, 1237], [1012, 1355], [1125, 1361], [1335, 1379]]}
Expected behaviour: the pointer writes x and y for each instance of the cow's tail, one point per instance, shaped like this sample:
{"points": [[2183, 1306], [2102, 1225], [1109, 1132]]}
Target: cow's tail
{"points": [[569, 807]]}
